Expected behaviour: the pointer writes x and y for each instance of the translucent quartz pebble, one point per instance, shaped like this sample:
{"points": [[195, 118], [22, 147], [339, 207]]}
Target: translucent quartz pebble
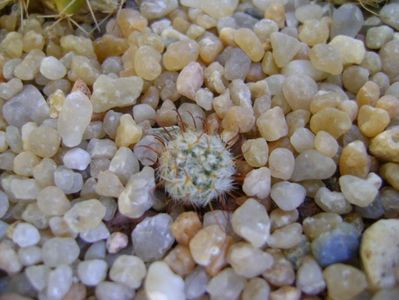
{"points": [[161, 280], [28, 105], [108, 290], [85, 215], [389, 15], [379, 253], [284, 48], [59, 251], [152, 237], [52, 68], [74, 118], [77, 159], [92, 272], [226, 285], [129, 270], [347, 20], [251, 222], [59, 282], [109, 92], [310, 164], [137, 197], [216, 9]]}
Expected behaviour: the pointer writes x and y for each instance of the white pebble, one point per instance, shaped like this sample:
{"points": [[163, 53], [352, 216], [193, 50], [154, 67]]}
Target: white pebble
{"points": [[287, 195], [52, 68], [92, 272], [25, 235], [77, 159], [128, 270]]}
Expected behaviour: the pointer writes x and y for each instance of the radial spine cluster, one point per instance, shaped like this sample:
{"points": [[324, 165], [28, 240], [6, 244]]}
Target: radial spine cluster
{"points": [[196, 167]]}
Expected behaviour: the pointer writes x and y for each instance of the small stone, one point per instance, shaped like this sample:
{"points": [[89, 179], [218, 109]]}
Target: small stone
{"points": [[98, 233], [354, 160], [377, 36], [359, 191], [52, 68], [238, 118], [332, 121], [44, 141], [108, 185], [286, 293], [52, 201], [247, 260], [237, 64], [12, 44], [326, 58], [326, 144], [390, 104], [272, 124], [67, 180], [344, 282], [101, 148], [128, 270], [331, 201], [4, 204], [80, 45], [185, 226], [385, 145], [24, 189], [299, 90], [354, 78], [257, 183], [286, 237], [320, 223], [251, 222], [389, 13], [137, 197], [288, 196], [107, 290], [190, 80], [338, 245], [29, 256], [9, 259], [314, 31], [310, 164], [116, 242], [389, 58], [247, 40], [180, 260], [152, 237], [226, 285], [59, 282], [76, 292], [214, 9], [310, 277], [179, 54], [147, 62], [60, 251], [77, 159], [85, 215], [37, 276], [24, 163], [92, 272], [302, 139], [11, 88], [256, 289], [284, 48], [347, 20], [25, 235], [204, 98], [390, 172], [29, 67], [195, 283], [109, 92], [207, 244], [157, 9], [281, 163], [161, 280], [74, 117], [255, 152], [372, 120], [28, 105], [124, 163], [351, 50], [379, 253]]}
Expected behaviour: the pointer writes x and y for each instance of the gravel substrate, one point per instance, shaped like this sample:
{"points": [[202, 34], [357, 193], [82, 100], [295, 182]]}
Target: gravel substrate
{"points": [[201, 149]]}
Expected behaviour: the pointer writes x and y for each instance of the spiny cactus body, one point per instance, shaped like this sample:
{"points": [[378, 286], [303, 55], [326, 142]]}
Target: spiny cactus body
{"points": [[196, 167]]}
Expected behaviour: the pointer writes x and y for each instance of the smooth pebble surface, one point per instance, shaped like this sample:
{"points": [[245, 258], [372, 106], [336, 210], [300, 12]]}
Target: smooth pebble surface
{"points": [[294, 105]]}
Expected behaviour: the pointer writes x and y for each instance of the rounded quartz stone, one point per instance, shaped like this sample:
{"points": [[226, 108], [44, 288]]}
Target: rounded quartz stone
{"points": [[207, 244], [226, 285], [161, 280], [52, 68], [4, 204], [52, 201], [255, 152], [107, 290], [247, 260], [287, 195], [44, 141], [60, 251], [152, 237], [310, 277], [185, 226], [257, 183], [25, 235], [326, 58], [359, 191], [76, 159], [85, 215], [256, 289], [251, 222], [128, 270], [92, 272]]}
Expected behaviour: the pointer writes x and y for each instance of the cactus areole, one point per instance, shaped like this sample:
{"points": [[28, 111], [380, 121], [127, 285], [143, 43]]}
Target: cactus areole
{"points": [[196, 167]]}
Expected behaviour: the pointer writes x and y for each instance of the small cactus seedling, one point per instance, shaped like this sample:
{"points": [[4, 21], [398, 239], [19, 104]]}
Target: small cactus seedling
{"points": [[196, 167]]}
